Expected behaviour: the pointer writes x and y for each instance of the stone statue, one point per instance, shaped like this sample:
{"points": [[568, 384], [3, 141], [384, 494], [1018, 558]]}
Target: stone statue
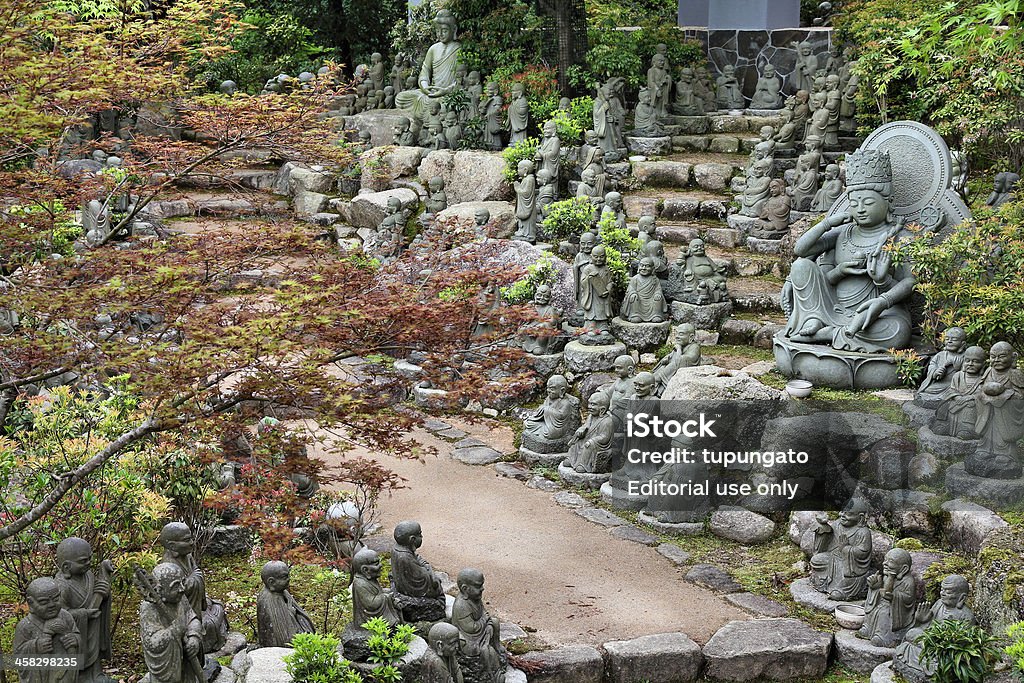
{"points": [[48, 630], [389, 233], [655, 250], [584, 154], [951, 605], [595, 297], [843, 289], [526, 202], [941, 368], [830, 191], [476, 93], [85, 594], [377, 71], [957, 413], [785, 137], [404, 136], [278, 616], [644, 301], [482, 656], [493, 127], [1003, 189], [842, 554], [436, 202], [587, 186], [518, 114], [768, 92], [764, 149], [588, 241], [774, 213], [389, 97], [891, 601], [607, 122], [613, 208], [659, 85], [1000, 405], [369, 600], [545, 192], [728, 93], [452, 131], [437, 75], [817, 125], [549, 153], [176, 539], [415, 586], [833, 103], [806, 67], [553, 423], [547, 329], [687, 103], [704, 89], [703, 278], [171, 632], [95, 222], [848, 104], [645, 119], [685, 353], [596, 165], [645, 229], [365, 141], [801, 111], [757, 191], [431, 131], [805, 176], [590, 448], [441, 663]]}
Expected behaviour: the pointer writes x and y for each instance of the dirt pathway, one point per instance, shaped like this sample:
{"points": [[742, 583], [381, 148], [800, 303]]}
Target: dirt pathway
{"points": [[545, 567]]}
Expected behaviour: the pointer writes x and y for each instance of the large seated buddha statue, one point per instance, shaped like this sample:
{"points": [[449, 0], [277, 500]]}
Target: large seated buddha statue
{"points": [[438, 74]]}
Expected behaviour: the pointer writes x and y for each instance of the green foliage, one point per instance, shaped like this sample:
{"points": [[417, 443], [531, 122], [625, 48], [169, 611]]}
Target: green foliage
{"points": [[909, 366], [620, 248], [61, 237], [972, 279], [497, 33], [277, 43], [568, 217], [525, 149], [315, 660], [1015, 650], [540, 83], [627, 53], [387, 647], [962, 653], [540, 273], [570, 125]]}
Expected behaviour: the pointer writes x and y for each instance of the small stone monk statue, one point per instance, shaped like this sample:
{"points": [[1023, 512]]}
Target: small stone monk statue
{"points": [[644, 301], [957, 413], [278, 616], [941, 368], [890, 605], [178, 543], [842, 554], [685, 353], [951, 605], [550, 427], [85, 594], [590, 448], [415, 586], [482, 657], [441, 663], [1000, 404], [170, 629], [49, 630], [369, 600]]}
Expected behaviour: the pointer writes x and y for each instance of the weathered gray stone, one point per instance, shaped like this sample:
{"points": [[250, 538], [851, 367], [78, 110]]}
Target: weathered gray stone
{"points": [[325, 219], [923, 469], [677, 234], [679, 208], [477, 455], [712, 382], [635, 207], [267, 666], [729, 124], [660, 658], [509, 632], [713, 176], [668, 528], [805, 594], [368, 209], [743, 224], [674, 554], [567, 664], [631, 533], [969, 525], [309, 203], [641, 336], [999, 493], [858, 654], [945, 447], [723, 237], [773, 649], [736, 331], [742, 526], [568, 499], [883, 673], [580, 358], [469, 176], [513, 470], [695, 143], [600, 516], [703, 317], [542, 484], [725, 144], [663, 173], [543, 459], [649, 147], [303, 178], [516, 254], [757, 604], [379, 122], [715, 578], [382, 165], [800, 522], [230, 540], [503, 216], [582, 479]]}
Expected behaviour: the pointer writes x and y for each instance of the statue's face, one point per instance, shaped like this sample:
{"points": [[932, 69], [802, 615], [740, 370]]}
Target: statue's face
{"points": [[170, 590], [445, 31], [868, 208], [543, 296], [555, 389], [473, 590], [181, 544], [587, 243], [684, 335], [832, 82], [279, 582], [644, 384], [597, 406], [974, 362], [954, 339], [624, 367], [371, 571], [697, 248], [849, 518], [415, 539], [598, 257], [482, 217], [646, 267], [893, 565], [952, 596], [45, 605], [769, 71], [447, 645], [78, 563], [1001, 357]]}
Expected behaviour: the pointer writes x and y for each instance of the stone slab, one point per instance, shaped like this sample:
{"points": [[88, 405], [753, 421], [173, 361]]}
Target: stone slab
{"points": [[580, 358], [742, 526], [670, 528], [674, 554], [631, 533], [805, 594], [858, 654], [883, 673], [513, 470], [542, 484], [600, 516], [659, 658], [1000, 494], [641, 336], [267, 666], [702, 317], [715, 578], [568, 664], [568, 499], [758, 605], [543, 459], [969, 524], [582, 479], [770, 649], [477, 455], [649, 146]]}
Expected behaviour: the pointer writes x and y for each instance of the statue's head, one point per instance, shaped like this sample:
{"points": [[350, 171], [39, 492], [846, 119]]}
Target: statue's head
{"points": [[436, 184], [869, 186], [897, 562], [228, 87], [645, 224], [366, 563], [590, 137], [543, 176], [473, 78], [974, 360], [659, 60], [831, 171], [43, 597], [812, 143], [644, 96], [177, 538], [761, 167], [550, 129], [953, 591], [598, 403], [168, 578], [517, 90], [696, 247], [625, 366], [565, 104], [646, 266], [491, 88], [832, 82], [408, 533], [364, 136], [802, 96], [954, 339], [854, 513], [655, 249], [613, 199], [389, 90], [542, 297], [460, 72], [598, 256], [589, 175], [804, 48], [471, 583], [482, 216], [445, 27], [394, 205], [777, 187], [644, 384], [684, 333], [769, 71], [375, 58], [728, 70], [443, 639], [524, 168], [276, 576], [686, 75], [74, 555], [557, 386], [1002, 356], [587, 240], [451, 119]]}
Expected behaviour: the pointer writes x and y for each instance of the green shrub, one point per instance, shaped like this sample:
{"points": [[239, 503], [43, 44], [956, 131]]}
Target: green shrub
{"points": [[570, 125], [525, 149], [568, 218], [1015, 650], [315, 659], [621, 249], [540, 273], [387, 647], [962, 653]]}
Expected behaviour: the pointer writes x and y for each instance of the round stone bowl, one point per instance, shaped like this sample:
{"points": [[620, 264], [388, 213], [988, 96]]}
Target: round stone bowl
{"points": [[850, 616], [799, 388]]}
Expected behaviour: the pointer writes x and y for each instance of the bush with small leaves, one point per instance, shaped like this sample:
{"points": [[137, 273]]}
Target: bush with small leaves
{"points": [[961, 653], [315, 659]]}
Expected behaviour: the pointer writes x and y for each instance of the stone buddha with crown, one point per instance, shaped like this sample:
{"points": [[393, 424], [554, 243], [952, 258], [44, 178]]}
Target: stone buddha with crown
{"points": [[844, 290]]}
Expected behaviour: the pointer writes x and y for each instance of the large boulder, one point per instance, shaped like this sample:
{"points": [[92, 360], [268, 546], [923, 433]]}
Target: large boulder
{"points": [[710, 382], [512, 253], [772, 649], [368, 209], [742, 526], [713, 176], [469, 176], [661, 658], [379, 122], [662, 173], [568, 664], [265, 665], [383, 165], [503, 216], [294, 177]]}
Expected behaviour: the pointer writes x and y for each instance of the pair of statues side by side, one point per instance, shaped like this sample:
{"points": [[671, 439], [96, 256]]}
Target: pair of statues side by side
{"points": [[982, 404], [1004, 187]]}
